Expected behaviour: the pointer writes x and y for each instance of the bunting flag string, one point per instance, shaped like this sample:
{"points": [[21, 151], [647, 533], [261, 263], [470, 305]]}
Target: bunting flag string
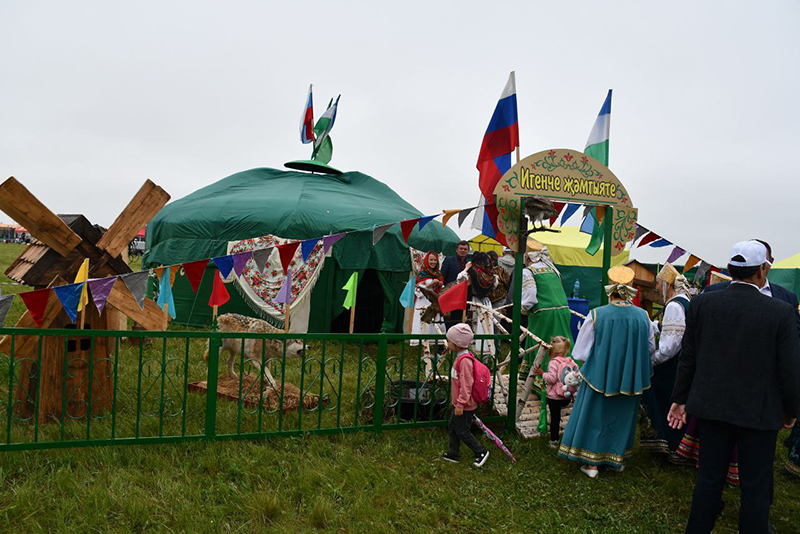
{"points": [[691, 262], [36, 302], [559, 208], [329, 240], [137, 285], [261, 257], [100, 288], [224, 264], [194, 272], [425, 220], [5, 306], [407, 227], [660, 243], [448, 214], [239, 261], [379, 231], [307, 247], [676, 253], [569, 211], [286, 253], [462, 215], [70, 297]]}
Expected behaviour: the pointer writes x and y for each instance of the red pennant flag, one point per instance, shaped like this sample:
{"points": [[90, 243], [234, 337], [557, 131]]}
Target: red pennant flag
{"points": [[194, 272], [36, 302], [648, 238], [407, 227], [559, 208], [219, 295], [454, 298], [287, 253]]}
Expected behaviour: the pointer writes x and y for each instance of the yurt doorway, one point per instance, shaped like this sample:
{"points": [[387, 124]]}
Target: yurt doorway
{"points": [[369, 307]]}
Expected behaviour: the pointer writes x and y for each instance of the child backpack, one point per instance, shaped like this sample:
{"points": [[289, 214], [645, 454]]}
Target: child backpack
{"points": [[482, 384]]}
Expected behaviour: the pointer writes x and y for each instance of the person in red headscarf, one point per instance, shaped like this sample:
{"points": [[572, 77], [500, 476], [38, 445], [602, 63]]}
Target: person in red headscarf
{"points": [[429, 276]]}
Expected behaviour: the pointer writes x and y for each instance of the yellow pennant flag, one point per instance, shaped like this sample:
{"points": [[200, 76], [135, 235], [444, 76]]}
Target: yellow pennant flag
{"points": [[448, 214], [83, 276]]}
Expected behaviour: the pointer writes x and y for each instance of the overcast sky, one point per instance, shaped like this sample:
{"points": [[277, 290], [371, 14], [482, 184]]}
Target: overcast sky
{"points": [[98, 96]]}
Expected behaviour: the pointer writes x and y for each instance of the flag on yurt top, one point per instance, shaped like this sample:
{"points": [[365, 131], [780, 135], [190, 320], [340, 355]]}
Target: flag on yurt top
{"points": [[307, 120], [597, 144]]}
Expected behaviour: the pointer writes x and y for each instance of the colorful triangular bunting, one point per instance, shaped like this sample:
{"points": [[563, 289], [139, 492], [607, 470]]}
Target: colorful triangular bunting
{"points": [[676, 253], [425, 220], [559, 207], [448, 214], [691, 262], [660, 243], [5, 306], [100, 288], [329, 240], [36, 302], [287, 252], [307, 247], [261, 258], [194, 272], [648, 238], [224, 264], [137, 285], [462, 215], [407, 227], [379, 231], [568, 212], [240, 260], [70, 296]]}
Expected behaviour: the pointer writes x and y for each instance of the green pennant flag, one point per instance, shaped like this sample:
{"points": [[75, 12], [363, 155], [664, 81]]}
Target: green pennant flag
{"points": [[597, 235], [351, 286]]}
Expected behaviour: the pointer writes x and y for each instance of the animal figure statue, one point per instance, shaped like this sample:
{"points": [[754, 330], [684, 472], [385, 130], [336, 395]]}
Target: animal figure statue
{"points": [[539, 209], [430, 313], [273, 348]]}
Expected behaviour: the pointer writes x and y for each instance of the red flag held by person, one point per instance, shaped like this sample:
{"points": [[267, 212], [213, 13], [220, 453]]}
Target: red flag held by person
{"points": [[454, 298]]}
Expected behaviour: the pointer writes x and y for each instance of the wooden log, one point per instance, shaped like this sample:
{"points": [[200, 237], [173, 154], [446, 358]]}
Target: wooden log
{"points": [[22, 206], [143, 206]]}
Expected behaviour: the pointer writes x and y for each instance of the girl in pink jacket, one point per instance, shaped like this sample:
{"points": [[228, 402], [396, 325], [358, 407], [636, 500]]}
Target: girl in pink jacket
{"points": [[560, 364]]}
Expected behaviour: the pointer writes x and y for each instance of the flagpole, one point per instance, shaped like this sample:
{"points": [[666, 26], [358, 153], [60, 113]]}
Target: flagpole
{"points": [[286, 320], [352, 316]]}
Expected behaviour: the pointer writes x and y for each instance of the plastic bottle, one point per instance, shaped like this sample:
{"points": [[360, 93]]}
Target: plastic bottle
{"points": [[576, 289]]}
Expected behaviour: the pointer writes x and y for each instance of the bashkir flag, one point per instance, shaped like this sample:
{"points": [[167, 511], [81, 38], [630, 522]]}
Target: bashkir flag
{"points": [[597, 144], [323, 146]]}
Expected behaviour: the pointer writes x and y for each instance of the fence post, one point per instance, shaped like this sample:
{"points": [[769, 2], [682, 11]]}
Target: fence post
{"points": [[214, 342], [516, 318], [380, 383]]}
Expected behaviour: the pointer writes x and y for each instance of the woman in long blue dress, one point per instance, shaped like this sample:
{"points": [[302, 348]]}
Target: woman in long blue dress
{"points": [[616, 342]]}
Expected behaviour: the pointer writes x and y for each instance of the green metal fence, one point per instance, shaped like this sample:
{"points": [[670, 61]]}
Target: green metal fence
{"points": [[68, 388]]}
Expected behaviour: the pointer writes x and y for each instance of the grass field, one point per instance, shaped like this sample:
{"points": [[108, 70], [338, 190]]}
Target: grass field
{"points": [[364, 482]]}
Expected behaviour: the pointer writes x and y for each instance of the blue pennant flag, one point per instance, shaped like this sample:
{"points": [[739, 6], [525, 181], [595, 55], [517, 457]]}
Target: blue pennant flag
{"points": [[587, 226], [69, 296], [224, 264], [307, 247], [165, 292], [425, 220], [568, 212], [660, 243], [407, 297]]}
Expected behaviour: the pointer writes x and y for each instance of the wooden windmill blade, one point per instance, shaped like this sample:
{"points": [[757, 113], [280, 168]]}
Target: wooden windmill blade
{"points": [[142, 207], [22, 206]]}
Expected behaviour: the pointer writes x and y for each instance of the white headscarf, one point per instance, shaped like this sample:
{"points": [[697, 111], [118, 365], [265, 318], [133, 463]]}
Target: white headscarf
{"points": [[543, 256]]}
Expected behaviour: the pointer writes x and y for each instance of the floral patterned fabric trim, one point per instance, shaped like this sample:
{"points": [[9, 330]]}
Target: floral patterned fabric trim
{"points": [[594, 458]]}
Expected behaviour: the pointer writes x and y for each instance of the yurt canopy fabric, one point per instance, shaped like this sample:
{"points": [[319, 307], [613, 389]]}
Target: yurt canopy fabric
{"points": [[292, 205], [482, 243]]}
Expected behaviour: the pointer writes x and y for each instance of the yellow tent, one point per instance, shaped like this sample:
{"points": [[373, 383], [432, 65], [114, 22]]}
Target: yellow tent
{"points": [[792, 262], [568, 247], [482, 243]]}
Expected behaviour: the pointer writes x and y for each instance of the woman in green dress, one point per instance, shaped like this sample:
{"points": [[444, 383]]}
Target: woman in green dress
{"points": [[615, 341], [545, 303]]}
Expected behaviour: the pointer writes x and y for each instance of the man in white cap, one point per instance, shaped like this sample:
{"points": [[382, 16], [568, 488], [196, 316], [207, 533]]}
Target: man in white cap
{"points": [[739, 373]]}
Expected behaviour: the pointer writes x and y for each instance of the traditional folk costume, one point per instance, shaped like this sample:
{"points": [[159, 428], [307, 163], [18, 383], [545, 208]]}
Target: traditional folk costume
{"points": [[429, 278], [615, 342], [658, 435], [481, 283], [544, 300]]}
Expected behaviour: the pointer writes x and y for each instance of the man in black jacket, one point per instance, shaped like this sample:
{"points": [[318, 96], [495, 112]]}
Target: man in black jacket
{"points": [[769, 289], [739, 373]]}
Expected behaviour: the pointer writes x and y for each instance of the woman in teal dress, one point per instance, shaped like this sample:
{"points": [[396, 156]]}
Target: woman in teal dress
{"points": [[616, 342]]}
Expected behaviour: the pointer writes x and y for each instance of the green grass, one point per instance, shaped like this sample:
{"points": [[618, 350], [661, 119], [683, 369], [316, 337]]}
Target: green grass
{"points": [[362, 482]]}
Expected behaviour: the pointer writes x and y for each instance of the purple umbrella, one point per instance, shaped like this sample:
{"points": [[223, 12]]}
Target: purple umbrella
{"points": [[495, 439]]}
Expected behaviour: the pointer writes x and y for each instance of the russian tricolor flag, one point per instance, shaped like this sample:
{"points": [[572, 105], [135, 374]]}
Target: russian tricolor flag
{"points": [[500, 140], [307, 120]]}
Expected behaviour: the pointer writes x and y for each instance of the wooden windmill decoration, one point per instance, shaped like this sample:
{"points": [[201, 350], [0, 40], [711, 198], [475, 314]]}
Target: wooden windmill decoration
{"points": [[62, 244]]}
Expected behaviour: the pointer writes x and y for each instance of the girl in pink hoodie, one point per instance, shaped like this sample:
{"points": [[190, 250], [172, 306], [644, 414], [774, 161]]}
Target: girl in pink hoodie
{"points": [[559, 365]]}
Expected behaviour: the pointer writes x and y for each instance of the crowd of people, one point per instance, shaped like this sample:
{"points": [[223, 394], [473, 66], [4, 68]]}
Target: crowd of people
{"points": [[723, 365]]}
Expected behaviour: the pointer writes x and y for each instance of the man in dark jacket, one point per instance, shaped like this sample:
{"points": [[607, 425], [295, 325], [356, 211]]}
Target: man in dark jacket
{"points": [[451, 266], [769, 289], [739, 373]]}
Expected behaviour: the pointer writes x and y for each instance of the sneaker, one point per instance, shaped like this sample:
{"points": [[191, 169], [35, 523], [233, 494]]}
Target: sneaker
{"points": [[481, 459], [591, 473], [554, 444], [450, 458]]}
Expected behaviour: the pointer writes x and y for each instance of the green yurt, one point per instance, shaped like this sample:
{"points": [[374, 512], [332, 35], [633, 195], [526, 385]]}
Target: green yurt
{"points": [[266, 207]]}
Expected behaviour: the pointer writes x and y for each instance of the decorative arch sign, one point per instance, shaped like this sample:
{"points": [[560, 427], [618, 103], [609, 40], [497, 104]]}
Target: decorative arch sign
{"points": [[566, 176]]}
